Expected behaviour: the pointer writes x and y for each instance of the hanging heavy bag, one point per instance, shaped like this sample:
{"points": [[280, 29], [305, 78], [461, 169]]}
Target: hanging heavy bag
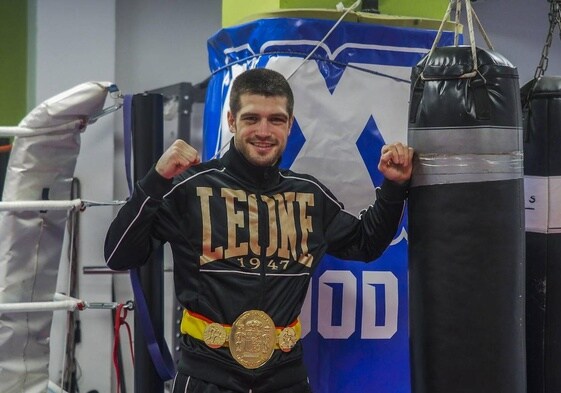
{"points": [[466, 223], [541, 101]]}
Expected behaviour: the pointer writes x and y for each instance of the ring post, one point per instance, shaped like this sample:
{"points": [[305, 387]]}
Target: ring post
{"points": [[147, 141]]}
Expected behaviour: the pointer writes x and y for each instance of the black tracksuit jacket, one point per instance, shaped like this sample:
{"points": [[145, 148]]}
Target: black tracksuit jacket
{"points": [[242, 238]]}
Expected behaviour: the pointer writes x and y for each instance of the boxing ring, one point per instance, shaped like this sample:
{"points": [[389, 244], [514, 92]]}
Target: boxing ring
{"points": [[38, 204]]}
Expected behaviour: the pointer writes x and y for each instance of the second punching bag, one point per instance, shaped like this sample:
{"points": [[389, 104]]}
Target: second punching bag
{"points": [[466, 225], [542, 169]]}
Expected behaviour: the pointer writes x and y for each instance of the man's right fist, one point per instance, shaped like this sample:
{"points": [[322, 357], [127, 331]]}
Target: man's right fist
{"points": [[179, 157]]}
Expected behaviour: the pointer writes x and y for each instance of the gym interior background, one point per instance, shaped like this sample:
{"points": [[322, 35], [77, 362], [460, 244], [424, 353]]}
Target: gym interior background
{"points": [[49, 46]]}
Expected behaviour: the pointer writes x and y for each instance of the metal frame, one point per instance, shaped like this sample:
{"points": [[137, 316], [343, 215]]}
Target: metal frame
{"points": [[186, 95], [189, 128]]}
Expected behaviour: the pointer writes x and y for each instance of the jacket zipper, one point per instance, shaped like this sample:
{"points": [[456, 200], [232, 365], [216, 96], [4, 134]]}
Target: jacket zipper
{"points": [[263, 231]]}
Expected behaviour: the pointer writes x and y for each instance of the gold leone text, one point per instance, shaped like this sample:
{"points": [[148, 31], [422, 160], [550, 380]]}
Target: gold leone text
{"points": [[241, 207]]}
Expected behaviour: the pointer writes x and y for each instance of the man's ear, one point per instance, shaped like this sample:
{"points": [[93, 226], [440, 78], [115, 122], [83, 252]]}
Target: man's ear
{"points": [[231, 122], [290, 123]]}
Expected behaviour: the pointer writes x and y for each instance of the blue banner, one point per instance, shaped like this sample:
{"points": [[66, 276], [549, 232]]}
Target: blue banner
{"points": [[351, 96]]}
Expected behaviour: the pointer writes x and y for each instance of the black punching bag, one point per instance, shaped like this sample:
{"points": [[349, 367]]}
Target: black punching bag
{"points": [[541, 99], [466, 225]]}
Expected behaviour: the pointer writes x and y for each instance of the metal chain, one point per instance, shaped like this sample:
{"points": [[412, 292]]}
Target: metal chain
{"points": [[554, 20]]}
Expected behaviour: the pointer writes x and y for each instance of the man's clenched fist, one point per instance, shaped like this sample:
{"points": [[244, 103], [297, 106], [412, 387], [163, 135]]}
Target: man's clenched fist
{"points": [[179, 157]]}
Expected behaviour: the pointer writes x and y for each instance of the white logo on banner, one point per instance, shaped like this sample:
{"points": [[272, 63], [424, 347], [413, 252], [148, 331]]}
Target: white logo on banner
{"points": [[332, 123], [375, 325]]}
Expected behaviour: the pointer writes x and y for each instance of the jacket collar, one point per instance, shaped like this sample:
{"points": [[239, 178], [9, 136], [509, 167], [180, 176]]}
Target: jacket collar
{"points": [[259, 176]]}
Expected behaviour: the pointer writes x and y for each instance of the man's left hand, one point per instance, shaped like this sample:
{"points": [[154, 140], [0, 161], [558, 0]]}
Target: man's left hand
{"points": [[396, 162]]}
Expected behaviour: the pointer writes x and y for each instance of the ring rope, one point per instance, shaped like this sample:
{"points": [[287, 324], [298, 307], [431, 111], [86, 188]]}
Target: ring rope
{"points": [[62, 302], [74, 204]]}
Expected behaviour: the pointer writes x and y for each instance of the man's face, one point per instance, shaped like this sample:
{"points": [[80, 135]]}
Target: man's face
{"points": [[261, 128]]}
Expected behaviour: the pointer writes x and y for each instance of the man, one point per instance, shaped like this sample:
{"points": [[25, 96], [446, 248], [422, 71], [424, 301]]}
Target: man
{"points": [[246, 237]]}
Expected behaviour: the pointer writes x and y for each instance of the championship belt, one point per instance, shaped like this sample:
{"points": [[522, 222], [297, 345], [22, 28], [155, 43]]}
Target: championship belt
{"points": [[252, 338]]}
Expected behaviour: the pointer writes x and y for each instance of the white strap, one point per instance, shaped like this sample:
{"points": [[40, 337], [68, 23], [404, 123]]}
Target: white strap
{"points": [[470, 16]]}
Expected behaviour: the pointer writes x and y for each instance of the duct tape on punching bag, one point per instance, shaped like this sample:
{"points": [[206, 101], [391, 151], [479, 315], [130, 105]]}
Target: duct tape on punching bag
{"points": [[541, 99], [466, 224]]}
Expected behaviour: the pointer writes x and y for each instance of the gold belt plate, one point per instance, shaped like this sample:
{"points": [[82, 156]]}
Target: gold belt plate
{"points": [[287, 339], [252, 339], [214, 335]]}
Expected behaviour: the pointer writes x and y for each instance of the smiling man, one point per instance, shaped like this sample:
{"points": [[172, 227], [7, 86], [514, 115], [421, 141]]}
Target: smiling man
{"points": [[246, 237], [261, 128]]}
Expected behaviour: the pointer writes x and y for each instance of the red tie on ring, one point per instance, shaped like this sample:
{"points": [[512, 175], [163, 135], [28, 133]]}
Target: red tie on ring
{"points": [[120, 320]]}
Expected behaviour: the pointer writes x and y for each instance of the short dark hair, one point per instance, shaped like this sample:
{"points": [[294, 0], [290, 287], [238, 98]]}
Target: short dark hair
{"points": [[261, 81]]}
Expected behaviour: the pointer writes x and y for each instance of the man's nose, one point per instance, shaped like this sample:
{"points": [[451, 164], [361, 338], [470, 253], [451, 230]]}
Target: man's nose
{"points": [[263, 128]]}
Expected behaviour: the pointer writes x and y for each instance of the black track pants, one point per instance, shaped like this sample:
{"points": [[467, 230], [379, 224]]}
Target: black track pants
{"points": [[186, 384]]}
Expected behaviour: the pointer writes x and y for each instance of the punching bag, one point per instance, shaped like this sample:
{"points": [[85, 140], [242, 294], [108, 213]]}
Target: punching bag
{"points": [[466, 224], [541, 99]]}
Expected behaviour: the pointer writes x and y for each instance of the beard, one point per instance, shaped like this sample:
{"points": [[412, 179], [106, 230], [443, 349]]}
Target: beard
{"points": [[260, 152]]}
